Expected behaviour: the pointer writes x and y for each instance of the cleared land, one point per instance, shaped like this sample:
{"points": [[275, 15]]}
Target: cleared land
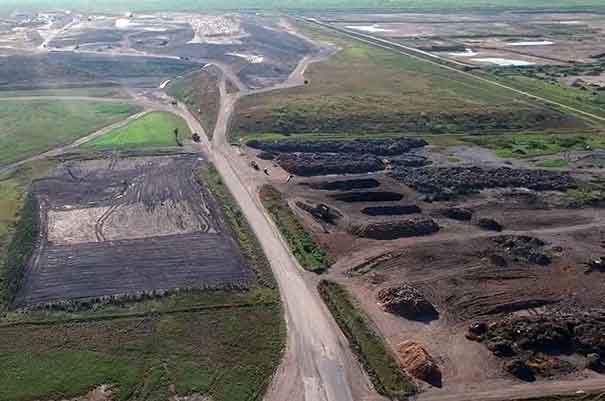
{"points": [[145, 214], [364, 89], [30, 127], [152, 130]]}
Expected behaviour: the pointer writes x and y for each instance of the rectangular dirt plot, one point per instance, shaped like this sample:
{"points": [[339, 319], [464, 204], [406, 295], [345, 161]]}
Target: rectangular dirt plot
{"points": [[98, 269], [123, 226]]}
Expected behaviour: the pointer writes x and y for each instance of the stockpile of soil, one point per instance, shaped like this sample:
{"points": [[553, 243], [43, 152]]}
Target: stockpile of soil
{"points": [[346, 185], [393, 229], [489, 224], [409, 160], [461, 180], [416, 361], [391, 210], [534, 340], [524, 248], [310, 164], [380, 147], [406, 301], [377, 196], [457, 213]]}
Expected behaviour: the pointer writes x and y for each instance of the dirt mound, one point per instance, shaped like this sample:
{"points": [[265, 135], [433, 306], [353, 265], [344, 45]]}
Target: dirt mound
{"points": [[380, 147], [406, 301], [528, 337], [377, 196], [391, 210], [461, 180], [310, 164], [346, 185], [393, 229], [321, 212], [523, 247], [419, 363], [458, 213], [489, 224]]}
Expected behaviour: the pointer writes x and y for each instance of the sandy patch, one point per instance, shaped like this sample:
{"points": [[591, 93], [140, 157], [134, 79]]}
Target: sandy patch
{"points": [[466, 53], [73, 226]]}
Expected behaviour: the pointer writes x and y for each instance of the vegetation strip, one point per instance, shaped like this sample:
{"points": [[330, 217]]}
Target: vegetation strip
{"points": [[20, 248], [199, 308], [384, 371], [242, 230], [308, 253]]}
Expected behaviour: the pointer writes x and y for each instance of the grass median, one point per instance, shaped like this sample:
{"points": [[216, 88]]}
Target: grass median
{"points": [[387, 376], [307, 251]]}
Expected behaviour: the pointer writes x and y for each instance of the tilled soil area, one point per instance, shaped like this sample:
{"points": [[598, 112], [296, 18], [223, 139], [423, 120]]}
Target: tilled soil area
{"points": [[116, 227]]}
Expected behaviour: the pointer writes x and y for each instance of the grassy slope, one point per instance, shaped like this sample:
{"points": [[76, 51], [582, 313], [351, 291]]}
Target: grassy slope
{"points": [[379, 363], [308, 253], [199, 91], [367, 89], [118, 6], [152, 130], [30, 127], [220, 343]]}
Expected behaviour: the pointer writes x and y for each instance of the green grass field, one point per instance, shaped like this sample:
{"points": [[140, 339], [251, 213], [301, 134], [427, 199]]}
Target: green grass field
{"points": [[519, 146], [30, 127], [227, 353], [152, 130], [109, 91], [368, 90], [117, 6]]}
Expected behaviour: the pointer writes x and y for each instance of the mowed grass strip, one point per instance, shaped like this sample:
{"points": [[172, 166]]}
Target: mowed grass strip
{"points": [[307, 251], [382, 368], [30, 127], [155, 129], [229, 355]]}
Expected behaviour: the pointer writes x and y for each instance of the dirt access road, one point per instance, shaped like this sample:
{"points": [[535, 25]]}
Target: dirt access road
{"points": [[318, 364]]}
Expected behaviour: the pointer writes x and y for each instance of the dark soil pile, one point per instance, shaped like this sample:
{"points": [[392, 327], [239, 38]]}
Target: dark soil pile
{"points": [[346, 185], [523, 247], [381, 147], [406, 301], [533, 340], [457, 213], [393, 229], [461, 180], [391, 210], [377, 196], [489, 224], [310, 164]]}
